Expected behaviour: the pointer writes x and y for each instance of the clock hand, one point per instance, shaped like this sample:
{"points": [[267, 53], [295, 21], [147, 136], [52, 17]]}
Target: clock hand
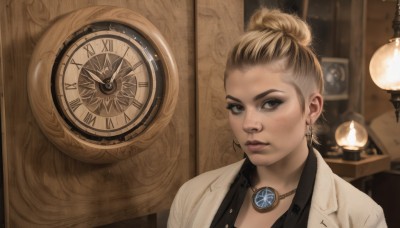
{"points": [[94, 77], [133, 68], [117, 71], [119, 67]]}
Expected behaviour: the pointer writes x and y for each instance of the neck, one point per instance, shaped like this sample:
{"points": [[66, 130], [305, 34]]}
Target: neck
{"points": [[285, 174]]}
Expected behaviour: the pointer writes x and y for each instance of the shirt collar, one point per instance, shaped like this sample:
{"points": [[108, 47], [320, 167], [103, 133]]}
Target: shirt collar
{"points": [[306, 183]]}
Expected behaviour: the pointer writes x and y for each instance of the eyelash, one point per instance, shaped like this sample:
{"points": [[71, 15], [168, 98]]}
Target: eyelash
{"points": [[273, 103], [268, 105], [231, 107]]}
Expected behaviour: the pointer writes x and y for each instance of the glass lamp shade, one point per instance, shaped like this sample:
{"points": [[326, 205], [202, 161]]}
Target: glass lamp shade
{"points": [[385, 66], [351, 135]]}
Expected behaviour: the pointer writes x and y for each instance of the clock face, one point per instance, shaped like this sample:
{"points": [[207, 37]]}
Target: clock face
{"points": [[107, 82], [335, 71]]}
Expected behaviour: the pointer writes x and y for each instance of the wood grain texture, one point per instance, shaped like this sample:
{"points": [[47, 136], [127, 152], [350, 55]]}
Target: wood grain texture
{"points": [[356, 55], [218, 25], [368, 165], [46, 188], [378, 32]]}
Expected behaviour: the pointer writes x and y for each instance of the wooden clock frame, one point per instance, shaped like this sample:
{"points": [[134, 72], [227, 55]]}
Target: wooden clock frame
{"points": [[41, 100]]}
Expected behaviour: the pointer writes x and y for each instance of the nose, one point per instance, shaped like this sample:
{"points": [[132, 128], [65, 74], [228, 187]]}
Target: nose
{"points": [[252, 123]]}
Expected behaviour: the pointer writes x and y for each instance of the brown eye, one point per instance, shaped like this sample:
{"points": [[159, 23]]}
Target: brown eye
{"points": [[235, 108], [271, 104]]}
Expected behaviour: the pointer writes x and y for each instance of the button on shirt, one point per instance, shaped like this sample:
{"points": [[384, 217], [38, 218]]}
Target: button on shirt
{"points": [[295, 216]]}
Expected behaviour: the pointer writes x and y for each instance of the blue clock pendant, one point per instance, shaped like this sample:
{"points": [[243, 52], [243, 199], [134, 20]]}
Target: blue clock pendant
{"points": [[265, 199]]}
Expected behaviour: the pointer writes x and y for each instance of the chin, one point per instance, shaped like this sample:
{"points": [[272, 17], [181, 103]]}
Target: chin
{"points": [[263, 159]]}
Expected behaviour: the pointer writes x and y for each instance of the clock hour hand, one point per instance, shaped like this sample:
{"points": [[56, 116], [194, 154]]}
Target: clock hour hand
{"points": [[94, 77]]}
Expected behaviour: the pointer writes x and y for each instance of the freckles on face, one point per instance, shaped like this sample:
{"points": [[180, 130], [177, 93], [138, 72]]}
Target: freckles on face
{"points": [[264, 111]]}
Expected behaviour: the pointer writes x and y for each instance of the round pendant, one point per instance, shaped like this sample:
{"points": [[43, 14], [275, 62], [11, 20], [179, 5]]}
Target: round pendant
{"points": [[265, 199]]}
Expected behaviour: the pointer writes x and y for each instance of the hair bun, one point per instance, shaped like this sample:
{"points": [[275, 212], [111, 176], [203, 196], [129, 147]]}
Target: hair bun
{"points": [[276, 21]]}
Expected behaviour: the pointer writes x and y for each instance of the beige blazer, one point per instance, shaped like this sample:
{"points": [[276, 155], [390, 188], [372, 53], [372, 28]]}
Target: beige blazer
{"points": [[335, 202]]}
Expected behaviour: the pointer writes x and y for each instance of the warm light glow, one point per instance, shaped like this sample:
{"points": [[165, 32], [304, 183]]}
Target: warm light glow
{"points": [[350, 139], [351, 135], [385, 66]]}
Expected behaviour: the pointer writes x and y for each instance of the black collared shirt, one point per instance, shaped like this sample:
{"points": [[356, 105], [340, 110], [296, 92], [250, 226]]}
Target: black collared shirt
{"points": [[295, 216]]}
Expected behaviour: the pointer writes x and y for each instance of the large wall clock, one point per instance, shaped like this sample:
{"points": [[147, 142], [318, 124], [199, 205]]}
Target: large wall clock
{"points": [[102, 83]]}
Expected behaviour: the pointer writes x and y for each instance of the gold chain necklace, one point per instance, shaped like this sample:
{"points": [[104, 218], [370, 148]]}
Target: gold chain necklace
{"points": [[266, 198]]}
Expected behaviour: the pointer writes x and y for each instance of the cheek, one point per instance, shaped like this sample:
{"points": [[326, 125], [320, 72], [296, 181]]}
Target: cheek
{"points": [[290, 123], [235, 124]]}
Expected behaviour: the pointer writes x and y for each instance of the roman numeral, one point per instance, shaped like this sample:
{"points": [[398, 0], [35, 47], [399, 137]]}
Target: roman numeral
{"points": [[137, 104], [89, 50], [109, 123], [89, 119], [70, 86], [127, 119], [107, 45], [78, 65], [75, 104], [143, 84]]}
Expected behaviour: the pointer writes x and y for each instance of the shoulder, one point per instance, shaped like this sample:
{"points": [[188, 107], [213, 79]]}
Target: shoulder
{"points": [[358, 206], [335, 186], [214, 178], [338, 198], [351, 196], [199, 192], [193, 189]]}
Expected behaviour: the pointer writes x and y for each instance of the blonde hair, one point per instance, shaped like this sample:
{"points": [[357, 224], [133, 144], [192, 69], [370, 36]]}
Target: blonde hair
{"points": [[272, 36]]}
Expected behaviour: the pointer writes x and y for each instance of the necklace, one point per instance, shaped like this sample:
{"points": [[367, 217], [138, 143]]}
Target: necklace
{"points": [[266, 198]]}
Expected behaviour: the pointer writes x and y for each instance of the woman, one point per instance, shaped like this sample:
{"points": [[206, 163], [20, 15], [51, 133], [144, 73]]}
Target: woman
{"points": [[273, 84]]}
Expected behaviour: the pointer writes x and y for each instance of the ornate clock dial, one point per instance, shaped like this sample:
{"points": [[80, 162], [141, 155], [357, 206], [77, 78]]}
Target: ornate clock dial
{"points": [[103, 88], [105, 82]]}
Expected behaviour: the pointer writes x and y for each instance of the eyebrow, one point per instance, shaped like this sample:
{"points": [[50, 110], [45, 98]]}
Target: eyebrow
{"points": [[263, 94], [257, 97]]}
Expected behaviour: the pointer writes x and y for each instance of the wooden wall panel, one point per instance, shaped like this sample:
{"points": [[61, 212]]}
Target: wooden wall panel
{"points": [[218, 25], [356, 55], [44, 187], [378, 32]]}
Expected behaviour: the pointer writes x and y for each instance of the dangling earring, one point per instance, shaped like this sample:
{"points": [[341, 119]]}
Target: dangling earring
{"points": [[309, 135], [235, 145]]}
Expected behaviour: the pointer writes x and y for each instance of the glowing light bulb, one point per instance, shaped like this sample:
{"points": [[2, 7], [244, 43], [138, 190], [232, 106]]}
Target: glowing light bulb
{"points": [[351, 135], [385, 66]]}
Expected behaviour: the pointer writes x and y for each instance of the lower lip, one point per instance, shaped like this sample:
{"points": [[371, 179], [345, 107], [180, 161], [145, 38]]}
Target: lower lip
{"points": [[256, 147]]}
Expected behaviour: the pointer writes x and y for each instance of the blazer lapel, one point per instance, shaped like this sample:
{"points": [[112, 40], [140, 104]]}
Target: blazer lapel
{"points": [[324, 201], [213, 197]]}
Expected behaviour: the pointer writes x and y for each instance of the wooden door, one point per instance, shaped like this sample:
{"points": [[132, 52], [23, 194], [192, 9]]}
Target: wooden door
{"points": [[46, 188], [43, 187]]}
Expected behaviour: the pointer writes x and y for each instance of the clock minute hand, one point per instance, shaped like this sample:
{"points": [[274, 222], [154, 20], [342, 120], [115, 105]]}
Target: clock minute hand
{"points": [[94, 77], [119, 67], [117, 71]]}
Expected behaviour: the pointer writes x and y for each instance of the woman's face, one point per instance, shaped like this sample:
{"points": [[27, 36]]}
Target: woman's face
{"points": [[265, 113]]}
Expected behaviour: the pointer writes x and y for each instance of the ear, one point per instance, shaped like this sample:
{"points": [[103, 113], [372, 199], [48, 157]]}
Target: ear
{"points": [[315, 107]]}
